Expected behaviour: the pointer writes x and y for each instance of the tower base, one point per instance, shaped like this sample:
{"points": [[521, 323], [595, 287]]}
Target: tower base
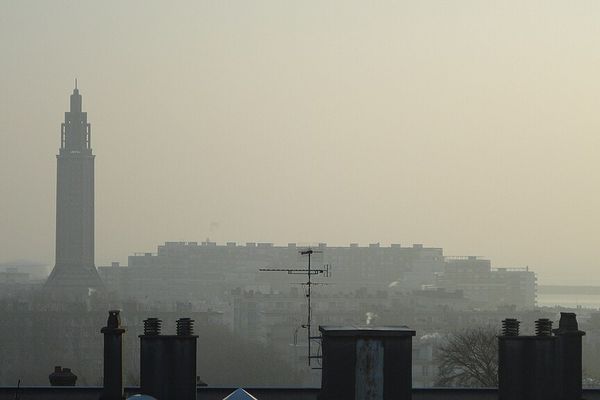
{"points": [[73, 282]]}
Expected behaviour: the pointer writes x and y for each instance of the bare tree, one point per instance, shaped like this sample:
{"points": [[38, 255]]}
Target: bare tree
{"points": [[469, 358]]}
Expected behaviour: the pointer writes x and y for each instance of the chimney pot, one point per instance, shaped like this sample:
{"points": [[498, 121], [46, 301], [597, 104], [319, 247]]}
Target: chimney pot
{"points": [[568, 322], [152, 326]]}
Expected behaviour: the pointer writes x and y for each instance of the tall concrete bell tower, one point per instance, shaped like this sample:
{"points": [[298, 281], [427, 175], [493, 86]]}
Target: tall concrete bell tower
{"points": [[74, 272]]}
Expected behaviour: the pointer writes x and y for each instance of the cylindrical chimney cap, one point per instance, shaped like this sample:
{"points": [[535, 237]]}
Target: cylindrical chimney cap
{"points": [[185, 327], [113, 324], [567, 325], [510, 327], [152, 326], [543, 327], [114, 319], [568, 322]]}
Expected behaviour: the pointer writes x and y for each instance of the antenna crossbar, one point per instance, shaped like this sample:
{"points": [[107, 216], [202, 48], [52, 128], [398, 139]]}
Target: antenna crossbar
{"points": [[295, 271]]}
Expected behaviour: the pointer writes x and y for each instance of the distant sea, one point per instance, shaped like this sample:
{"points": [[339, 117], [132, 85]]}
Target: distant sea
{"points": [[569, 300]]}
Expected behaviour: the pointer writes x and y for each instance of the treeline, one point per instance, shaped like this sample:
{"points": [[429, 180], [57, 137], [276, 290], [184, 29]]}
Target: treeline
{"points": [[33, 342]]}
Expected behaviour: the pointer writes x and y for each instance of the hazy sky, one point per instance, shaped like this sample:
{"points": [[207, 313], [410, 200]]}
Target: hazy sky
{"points": [[468, 125]]}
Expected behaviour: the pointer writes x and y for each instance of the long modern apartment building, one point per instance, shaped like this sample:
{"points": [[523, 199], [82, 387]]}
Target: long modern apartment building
{"points": [[192, 271]]}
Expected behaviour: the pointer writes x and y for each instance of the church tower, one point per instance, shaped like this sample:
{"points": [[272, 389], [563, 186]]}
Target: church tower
{"points": [[74, 273]]}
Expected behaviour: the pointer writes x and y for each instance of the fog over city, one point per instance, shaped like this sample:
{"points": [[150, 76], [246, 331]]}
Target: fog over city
{"points": [[310, 200], [468, 125]]}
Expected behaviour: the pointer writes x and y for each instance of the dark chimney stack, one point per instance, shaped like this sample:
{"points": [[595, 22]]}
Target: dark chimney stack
{"points": [[366, 363], [168, 362], [113, 357], [526, 364], [542, 366], [569, 357]]}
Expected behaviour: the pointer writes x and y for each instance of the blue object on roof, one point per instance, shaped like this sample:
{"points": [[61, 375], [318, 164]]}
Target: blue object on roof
{"points": [[141, 397], [240, 394]]}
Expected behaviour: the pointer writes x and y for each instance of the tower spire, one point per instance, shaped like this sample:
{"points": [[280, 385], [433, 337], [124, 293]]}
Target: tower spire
{"points": [[75, 100]]}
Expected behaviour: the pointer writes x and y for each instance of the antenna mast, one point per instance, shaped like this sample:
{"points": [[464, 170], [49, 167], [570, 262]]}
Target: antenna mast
{"points": [[309, 272]]}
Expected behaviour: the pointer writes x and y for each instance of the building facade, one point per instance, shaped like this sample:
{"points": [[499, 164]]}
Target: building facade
{"points": [[489, 287], [195, 271]]}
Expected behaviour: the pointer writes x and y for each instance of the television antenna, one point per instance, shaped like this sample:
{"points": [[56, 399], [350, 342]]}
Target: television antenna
{"points": [[309, 272]]}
